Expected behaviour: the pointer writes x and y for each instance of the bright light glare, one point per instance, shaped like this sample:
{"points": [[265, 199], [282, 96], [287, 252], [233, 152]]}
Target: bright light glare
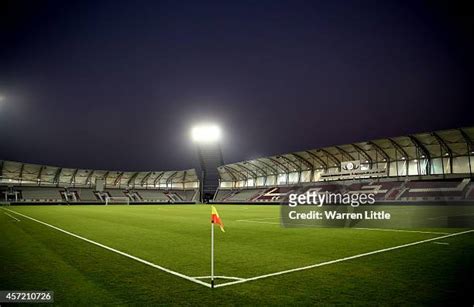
{"points": [[206, 133]]}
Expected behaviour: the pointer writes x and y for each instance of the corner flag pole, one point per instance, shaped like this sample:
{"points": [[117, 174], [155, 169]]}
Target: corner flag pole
{"points": [[212, 254]]}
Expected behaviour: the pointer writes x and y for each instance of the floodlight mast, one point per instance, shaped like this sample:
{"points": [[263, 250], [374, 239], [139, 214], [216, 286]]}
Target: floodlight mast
{"points": [[206, 138]]}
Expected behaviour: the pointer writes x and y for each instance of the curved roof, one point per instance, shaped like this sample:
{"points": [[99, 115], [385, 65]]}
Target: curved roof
{"points": [[446, 143], [18, 172]]}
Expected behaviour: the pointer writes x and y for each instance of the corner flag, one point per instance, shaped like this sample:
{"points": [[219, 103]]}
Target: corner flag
{"points": [[215, 219]]}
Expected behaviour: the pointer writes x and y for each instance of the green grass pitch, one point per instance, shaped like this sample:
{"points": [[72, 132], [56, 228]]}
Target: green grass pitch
{"points": [[36, 257]]}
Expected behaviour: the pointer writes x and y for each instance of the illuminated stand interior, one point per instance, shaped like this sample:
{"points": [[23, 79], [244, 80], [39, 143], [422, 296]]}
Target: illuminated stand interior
{"points": [[206, 138]]}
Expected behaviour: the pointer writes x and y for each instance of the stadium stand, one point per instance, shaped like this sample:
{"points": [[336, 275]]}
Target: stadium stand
{"points": [[32, 183], [153, 196], [434, 190], [243, 195], [86, 195], [186, 195], [116, 193], [33, 194], [221, 195], [434, 166]]}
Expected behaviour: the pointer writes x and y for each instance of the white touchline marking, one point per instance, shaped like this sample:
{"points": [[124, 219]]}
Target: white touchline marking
{"points": [[12, 217], [344, 259], [242, 280], [258, 219], [258, 222], [441, 243], [359, 228], [117, 251], [404, 230]]}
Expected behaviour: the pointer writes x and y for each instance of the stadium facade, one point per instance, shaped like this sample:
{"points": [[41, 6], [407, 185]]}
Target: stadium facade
{"points": [[419, 167]]}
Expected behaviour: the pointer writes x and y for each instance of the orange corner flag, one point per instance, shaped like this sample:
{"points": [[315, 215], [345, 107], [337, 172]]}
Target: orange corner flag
{"points": [[216, 219]]}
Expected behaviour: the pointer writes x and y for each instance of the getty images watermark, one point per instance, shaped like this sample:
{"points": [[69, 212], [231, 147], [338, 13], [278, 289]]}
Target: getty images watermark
{"points": [[302, 207], [329, 209], [313, 197]]}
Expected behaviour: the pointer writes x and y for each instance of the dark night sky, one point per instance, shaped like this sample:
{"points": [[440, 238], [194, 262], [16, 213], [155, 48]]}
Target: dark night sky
{"points": [[118, 84]]}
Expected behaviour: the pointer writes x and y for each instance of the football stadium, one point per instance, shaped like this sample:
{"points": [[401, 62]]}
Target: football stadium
{"points": [[236, 153], [99, 236]]}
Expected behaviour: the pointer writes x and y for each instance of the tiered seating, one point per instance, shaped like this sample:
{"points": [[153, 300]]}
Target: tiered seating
{"points": [[222, 195], [332, 188], [186, 195], [274, 194], [470, 191], [435, 190], [243, 195], [41, 194], [382, 190], [153, 196], [86, 195], [116, 193]]}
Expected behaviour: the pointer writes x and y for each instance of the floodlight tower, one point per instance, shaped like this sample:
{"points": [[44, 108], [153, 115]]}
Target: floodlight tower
{"points": [[206, 138]]}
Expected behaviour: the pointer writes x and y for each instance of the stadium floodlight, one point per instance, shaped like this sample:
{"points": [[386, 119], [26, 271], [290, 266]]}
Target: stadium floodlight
{"points": [[207, 138], [209, 133]]}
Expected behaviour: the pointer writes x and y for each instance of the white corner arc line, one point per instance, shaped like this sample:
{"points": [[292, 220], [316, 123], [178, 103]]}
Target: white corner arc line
{"points": [[117, 251], [344, 259], [221, 277], [12, 217]]}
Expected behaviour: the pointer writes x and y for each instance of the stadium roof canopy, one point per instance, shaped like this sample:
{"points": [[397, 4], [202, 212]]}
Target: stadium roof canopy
{"points": [[423, 146], [24, 173]]}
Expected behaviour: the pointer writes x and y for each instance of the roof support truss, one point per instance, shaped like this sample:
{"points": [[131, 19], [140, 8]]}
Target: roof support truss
{"points": [[145, 178], [235, 171], [398, 148], [40, 173], [380, 150], [274, 170], [308, 164], [321, 161], [21, 170], [424, 151], [281, 165], [230, 172], [57, 175], [262, 171], [117, 180], [332, 157], [363, 153], [89, 177], [158, 178], [132, 178], [170, 178], [297, 167], [468, 140], [344, 152], [254, 175], [73, 177]]}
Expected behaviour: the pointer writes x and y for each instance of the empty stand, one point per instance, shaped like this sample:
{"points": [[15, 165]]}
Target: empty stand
{"points": [[153, 196], [41, 194]]}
